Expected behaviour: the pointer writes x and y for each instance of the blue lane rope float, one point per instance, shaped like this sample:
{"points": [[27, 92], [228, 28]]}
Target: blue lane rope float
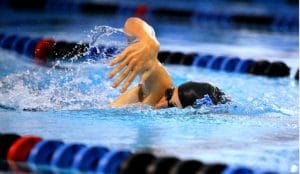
{"points": [[216, 63], [243, 66], [44, 51], [235, 169], [86, 159], [265, 172], [7, 41], [283, 23], [202, 60], [63, 156], [42, 153], [19, 44], [111, 161], [60, 156], [22, 45], [229, 64]]}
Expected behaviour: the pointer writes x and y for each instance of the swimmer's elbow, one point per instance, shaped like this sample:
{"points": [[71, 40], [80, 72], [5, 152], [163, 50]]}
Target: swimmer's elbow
{"points": [[132, 19], [137, 27], [132, 22]]}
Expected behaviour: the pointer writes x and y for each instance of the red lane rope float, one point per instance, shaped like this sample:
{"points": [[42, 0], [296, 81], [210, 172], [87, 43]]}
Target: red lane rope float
{"points": [[20, 150], [141, 10], [42, 49]]}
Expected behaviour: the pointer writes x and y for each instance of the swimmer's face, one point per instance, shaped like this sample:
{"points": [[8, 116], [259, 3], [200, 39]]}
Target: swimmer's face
{"points": [[170, 99]]}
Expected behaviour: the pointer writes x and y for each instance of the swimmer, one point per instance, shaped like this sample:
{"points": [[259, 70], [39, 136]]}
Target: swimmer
{"points": [[155, 87]]}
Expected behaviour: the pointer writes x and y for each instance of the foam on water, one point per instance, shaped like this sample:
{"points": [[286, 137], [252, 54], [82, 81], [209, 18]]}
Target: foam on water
{"points": [[67, 85], [102, 34]]}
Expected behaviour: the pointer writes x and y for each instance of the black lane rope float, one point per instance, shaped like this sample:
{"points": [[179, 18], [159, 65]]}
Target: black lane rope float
{"points": [[288, 22], [45, 51], [33, 154]]}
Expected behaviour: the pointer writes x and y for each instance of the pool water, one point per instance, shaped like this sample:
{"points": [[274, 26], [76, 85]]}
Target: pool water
{"points": [[259, 128]]}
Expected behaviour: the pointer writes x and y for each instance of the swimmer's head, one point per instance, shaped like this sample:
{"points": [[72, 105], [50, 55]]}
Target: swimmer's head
{"points": [[186, 95]]}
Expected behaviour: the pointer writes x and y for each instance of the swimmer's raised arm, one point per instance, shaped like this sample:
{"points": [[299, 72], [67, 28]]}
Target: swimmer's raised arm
{"points": [[140, 58]]}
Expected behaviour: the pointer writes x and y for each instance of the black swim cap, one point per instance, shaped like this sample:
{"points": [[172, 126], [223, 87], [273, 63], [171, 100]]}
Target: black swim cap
{"points": [[189, 92]]}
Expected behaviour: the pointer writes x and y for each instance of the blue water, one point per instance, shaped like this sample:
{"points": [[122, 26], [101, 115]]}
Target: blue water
{"points": [[258, 129]]}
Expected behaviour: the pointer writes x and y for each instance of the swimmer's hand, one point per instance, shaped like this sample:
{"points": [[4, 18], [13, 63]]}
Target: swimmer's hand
{"points": [[139, 58]]}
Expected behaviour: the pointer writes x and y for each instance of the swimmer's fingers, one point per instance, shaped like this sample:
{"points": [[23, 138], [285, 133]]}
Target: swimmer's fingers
{"points": [[128, 81], [131, 76], [121, 77], [120, 57], [118, 68]]}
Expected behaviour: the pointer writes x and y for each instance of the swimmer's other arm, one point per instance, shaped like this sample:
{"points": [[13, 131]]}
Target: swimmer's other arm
{"points": [[140, 58]]}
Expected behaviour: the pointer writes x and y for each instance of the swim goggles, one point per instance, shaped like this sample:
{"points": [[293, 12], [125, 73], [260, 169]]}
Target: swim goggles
{"points": [[168, 95], [206, 100]]}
